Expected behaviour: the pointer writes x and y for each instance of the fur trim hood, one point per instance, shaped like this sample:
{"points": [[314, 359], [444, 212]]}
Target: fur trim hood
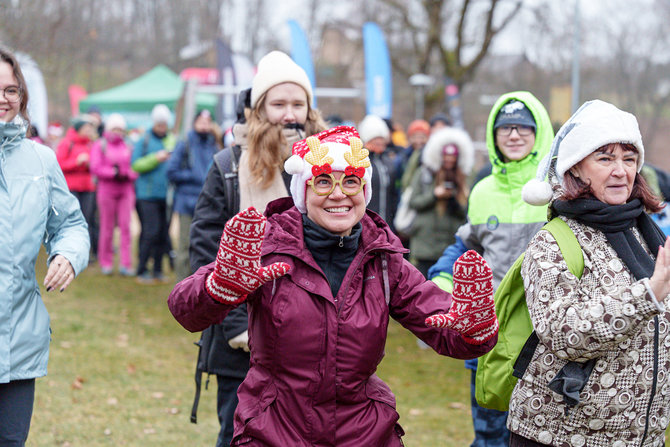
{"points": [[432, 152]]}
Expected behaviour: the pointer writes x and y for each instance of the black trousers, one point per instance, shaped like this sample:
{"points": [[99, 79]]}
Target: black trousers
{"points": [[153, 243], [226, 402], [16, 409], [89, 209]]}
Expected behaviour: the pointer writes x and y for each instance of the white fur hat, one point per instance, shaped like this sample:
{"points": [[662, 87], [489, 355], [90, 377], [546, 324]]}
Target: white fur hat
{"points": [[373, 126], [276, 68], [115, 121], [595, 124], [161, 114], [432, 153], [336, 149]]}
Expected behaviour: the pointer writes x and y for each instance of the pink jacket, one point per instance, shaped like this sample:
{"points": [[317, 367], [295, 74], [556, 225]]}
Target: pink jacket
{"points": [[109, 154], [313, 356]]}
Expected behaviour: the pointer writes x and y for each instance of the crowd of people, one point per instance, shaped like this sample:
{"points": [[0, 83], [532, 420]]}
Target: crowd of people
{"points": [[289, 262]]}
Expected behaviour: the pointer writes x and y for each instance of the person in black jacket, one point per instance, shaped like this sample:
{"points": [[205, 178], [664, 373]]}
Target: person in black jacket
{"points": [[272, 115], [375, 135]]}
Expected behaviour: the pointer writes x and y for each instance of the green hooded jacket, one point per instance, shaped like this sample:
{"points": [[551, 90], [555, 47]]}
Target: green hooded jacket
{"points": [[499, 223]]}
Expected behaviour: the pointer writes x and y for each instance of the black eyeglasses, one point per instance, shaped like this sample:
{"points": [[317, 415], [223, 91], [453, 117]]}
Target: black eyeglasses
{"points": [[11, 93], [506, 131]]}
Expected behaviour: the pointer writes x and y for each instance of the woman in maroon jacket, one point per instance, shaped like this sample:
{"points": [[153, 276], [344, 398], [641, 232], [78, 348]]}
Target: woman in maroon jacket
{"points": [[319, 310]]}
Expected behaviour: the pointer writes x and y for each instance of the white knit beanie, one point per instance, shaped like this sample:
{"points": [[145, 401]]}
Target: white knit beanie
{"points": [[595, 124], [373, 126], [115, 121], [337, 149], [276, 68], [161, 114]]}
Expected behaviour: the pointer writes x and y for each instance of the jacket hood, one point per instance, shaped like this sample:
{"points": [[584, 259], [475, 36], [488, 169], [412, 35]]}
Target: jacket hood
{"points": [[285, 230], [544, 132], [432, 152]]}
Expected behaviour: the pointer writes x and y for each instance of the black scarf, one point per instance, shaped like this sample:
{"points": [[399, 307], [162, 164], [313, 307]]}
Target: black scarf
{"points": [[333, 253], [616, 221]]}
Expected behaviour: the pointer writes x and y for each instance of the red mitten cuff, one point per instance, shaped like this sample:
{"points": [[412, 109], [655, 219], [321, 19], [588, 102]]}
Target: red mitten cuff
{"points": [[472, 312], [223, 291]]}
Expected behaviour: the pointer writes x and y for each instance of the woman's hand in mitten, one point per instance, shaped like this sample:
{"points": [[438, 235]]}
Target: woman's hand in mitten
{"points": [[237, 270], [472, 310]]}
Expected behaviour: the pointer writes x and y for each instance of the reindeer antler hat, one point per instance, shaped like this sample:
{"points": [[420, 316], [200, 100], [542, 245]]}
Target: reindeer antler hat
{"points": [[337, 149]]}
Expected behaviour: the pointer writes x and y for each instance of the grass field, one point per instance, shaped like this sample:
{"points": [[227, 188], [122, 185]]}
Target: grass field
{"points": [[121, 374]]}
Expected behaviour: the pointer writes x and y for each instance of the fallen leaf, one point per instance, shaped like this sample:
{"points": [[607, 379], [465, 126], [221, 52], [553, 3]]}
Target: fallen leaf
{"points": [[131, 368], [78, 383], [112, 401], [173, 410], [157, 395]]}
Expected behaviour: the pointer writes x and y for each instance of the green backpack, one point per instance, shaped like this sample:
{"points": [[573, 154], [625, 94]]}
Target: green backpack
{"points": [[499, 369]]}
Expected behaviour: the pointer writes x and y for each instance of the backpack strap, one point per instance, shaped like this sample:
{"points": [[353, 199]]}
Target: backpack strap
{"points": [[145, 144], [568, 244], [227, 164], [574, 257], [202, 366]]}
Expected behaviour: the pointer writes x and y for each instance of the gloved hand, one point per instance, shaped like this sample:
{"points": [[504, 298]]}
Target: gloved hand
{"points": [[240, 341], [118, 175], [237, 270], [472, 310]]}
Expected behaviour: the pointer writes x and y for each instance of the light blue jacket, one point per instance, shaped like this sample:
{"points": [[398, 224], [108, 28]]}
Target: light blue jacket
{"points": [[35, 207]]}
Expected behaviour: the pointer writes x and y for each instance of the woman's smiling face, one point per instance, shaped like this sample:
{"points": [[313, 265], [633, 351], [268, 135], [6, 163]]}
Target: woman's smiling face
{"points": [[335, 212], [8, 110]]}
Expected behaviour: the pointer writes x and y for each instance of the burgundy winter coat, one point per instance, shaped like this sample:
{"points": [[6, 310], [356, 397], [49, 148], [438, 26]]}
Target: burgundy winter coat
{"points": [[312, 377]]}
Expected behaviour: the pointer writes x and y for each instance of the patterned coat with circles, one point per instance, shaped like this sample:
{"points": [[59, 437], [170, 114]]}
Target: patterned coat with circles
{"points": [[609, 316]]}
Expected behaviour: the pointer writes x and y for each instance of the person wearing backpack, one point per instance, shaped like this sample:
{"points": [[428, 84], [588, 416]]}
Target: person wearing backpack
{"points": [[150, 156], [275, 113], [439, 195], [499, 223], [599, 375], [319, 308], [187, 169]]}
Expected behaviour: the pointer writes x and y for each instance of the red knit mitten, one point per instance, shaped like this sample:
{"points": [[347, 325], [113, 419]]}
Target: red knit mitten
{"points": [[237, 270], [472, 311]]}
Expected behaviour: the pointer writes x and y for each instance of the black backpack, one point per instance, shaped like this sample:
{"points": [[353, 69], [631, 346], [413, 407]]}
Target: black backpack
{"points": [[227, 164]]}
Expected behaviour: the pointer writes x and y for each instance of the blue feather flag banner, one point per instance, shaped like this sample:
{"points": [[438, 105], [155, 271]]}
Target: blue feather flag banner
{"points": [[378, 81], [301, 53]]}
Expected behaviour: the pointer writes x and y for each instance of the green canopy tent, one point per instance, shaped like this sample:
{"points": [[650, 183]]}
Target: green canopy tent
{"points": [[135, 99]]}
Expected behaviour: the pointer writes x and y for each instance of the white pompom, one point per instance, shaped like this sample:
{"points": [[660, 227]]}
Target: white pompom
{"points": [[294, 165], [536, 192]]}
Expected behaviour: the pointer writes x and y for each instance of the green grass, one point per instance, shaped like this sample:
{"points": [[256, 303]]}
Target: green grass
{"points": [[121, 374]]}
